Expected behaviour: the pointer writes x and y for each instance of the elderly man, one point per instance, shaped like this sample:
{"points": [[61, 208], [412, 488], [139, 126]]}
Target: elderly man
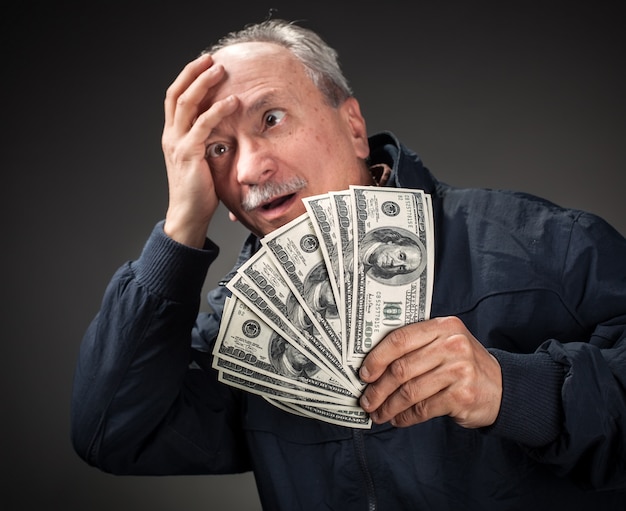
{"points": [[511, 397]]}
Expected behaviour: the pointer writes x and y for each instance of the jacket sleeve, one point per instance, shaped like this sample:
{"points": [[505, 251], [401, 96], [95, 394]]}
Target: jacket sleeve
{"points": [[141, 402], [566, 403]]}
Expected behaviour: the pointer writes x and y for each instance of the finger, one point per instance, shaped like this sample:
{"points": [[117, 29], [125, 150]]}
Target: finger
{"points": [[416, 391], [185, 78], [400, 371], [395, 345], [434, 406], [193, 101], [185, 106], [206, 122]]}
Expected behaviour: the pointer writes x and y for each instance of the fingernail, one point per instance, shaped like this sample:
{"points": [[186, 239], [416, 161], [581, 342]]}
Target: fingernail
{"points": [[365, 374], [364, 402]]}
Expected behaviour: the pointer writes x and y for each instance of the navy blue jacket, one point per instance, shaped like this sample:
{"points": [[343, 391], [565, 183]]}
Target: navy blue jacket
{"points": [[543, 288]]}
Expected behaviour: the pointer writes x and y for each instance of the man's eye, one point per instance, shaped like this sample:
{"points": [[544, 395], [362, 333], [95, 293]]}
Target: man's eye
{"points": [[402, 256], [216, 150], [273, 117]]}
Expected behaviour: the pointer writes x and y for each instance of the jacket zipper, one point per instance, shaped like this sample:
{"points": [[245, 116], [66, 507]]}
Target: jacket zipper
{"points": [[359, 448]]}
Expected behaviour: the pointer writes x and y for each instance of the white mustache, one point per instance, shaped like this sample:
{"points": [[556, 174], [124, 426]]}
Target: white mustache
{"points": [[260, 194]]}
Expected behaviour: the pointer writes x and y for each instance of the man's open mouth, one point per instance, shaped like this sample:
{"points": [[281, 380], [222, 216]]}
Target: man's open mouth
{"points": [[277, 202]]}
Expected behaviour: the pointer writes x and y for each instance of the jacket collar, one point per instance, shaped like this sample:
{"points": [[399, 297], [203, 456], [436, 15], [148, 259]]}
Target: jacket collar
{"points": [[407, 169]]}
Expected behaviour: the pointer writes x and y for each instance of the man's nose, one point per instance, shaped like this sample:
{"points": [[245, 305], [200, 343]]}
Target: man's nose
{"points": [[255, 163]]}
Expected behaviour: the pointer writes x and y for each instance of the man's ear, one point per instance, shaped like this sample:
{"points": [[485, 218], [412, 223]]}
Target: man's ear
{"points": [[232, 217], [358, 129]]}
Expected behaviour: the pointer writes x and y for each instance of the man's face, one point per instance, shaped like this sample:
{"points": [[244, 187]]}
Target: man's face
{"points": [[284, 142], [392, 259]]}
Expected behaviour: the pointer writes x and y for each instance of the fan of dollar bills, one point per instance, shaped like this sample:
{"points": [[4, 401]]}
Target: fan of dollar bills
{"points": [[320, 293]]}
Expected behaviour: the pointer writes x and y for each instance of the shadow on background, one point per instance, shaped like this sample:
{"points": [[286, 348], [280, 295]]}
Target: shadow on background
{"points": [[490, 95]]}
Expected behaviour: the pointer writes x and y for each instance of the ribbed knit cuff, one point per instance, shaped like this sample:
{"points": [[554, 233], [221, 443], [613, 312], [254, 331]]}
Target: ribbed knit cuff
{"points": [[531, 408], [172, 270]]}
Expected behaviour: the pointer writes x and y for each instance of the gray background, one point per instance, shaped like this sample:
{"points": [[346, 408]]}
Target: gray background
{"points": [[522, 95]]}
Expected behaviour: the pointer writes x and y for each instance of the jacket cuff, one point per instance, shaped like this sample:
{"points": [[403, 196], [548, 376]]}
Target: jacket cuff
{"points": [[172, 270], [531, 409]]}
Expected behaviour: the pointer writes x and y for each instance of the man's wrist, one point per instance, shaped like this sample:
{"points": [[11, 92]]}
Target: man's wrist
{"points": [[193, 236]]}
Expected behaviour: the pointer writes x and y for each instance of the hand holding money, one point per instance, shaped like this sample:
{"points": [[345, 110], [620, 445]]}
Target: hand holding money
{"points": [[430, 369], [321, 293]]}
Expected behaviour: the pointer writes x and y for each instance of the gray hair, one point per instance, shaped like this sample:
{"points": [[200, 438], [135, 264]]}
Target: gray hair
{"points": [[319, 59]]}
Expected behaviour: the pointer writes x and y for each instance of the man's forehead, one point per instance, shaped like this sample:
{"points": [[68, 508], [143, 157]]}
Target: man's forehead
{"points": [[250, 51], [269, 99], [255, 65]]}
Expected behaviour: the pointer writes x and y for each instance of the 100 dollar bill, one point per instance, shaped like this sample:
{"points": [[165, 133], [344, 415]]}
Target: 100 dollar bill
{"points": [[392, 260], [351, 416], [260, 284], [248, 341], [342, 216], [296, 251], [321, 212]]}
